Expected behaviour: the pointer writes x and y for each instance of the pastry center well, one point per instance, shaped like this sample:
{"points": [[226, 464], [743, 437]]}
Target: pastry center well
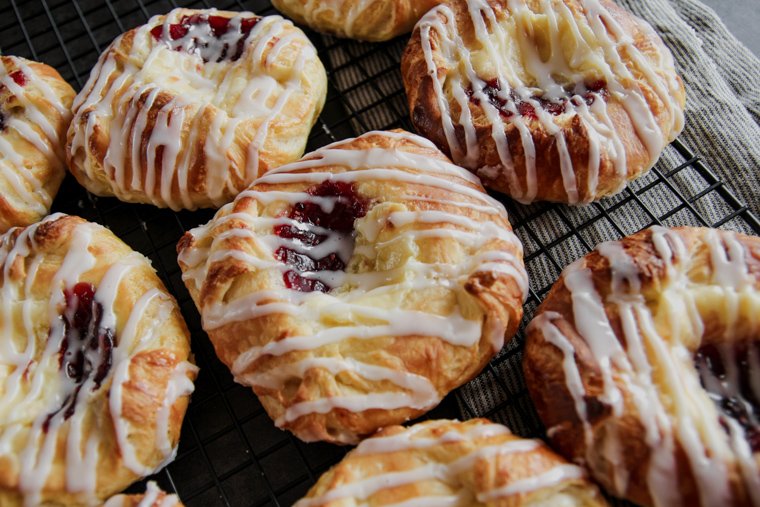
{"points": [[323, 239], [86, 348], [730, 373]]}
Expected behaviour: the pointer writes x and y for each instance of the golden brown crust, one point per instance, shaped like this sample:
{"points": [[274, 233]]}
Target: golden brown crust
{"points": [[558, 343], [153, 497], [370, 20], [478, 462], [183, 132], [434, 285], [35, 104], [127, 406], [532, 165]]}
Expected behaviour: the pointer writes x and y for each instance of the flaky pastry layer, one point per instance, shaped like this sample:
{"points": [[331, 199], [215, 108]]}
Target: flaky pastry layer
{"points": [[474, 463], [370, 20]]}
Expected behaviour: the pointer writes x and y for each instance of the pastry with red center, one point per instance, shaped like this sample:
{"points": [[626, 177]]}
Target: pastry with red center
{"points": [[643, 362], [188, 109], [35, 111], [355, 288], [94, 371], [563, 101]]}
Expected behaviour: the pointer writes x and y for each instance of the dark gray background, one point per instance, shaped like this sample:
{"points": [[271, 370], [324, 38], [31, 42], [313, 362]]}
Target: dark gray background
{"points": [[743, 19]]}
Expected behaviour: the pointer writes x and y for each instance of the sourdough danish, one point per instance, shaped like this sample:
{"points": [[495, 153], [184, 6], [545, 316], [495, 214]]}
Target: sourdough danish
{"points": [[559, 100], [450, 463], [371, 20], [94, 377], [355, 288], [187, 110], [35, 111], [643, 362]]}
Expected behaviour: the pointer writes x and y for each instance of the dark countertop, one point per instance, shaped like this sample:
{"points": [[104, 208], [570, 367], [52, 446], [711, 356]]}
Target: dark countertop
{"points": [[742, 18]]}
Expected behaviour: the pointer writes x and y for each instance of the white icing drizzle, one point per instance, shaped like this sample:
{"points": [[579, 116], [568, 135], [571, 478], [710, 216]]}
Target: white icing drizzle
{"points": [[409, 224], [26, 404], [150, 499], [596, 53], [488, 443], [151, 162], [668, 411], [315, 10], [557, 475], [36, 126]]}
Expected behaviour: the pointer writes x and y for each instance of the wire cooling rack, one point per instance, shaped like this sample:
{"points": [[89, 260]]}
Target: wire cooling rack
{"points": [[230, 453]]}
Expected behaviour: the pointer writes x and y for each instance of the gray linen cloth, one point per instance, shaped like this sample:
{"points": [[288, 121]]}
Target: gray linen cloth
{"points": [[722, 79]]}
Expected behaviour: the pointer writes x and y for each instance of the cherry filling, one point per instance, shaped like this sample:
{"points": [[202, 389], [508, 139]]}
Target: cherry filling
{"points": [[339, 221], [20, 79], [209, 36], [726, 373], [86, 349], [555, 107]]}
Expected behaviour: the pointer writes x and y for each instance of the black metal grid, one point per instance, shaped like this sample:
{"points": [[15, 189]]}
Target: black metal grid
{"points": [[230, 453]]}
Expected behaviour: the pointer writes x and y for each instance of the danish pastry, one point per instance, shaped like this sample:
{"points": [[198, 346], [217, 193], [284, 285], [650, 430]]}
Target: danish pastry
{"points": [[439, 463], [370, 20], [355, 288], [35, 111], [562, 100], [643, 363], [153, 497], [94, 377], [187, 110]]}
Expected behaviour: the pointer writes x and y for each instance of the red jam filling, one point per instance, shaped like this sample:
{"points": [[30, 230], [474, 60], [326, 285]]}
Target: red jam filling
{"points": [[348, 207], [86, 349], [19, 78], [527, 109], [205, 29], [725, 373]]}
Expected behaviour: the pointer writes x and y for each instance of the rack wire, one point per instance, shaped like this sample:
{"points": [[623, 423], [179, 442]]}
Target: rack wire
{"points": [[230, 452]]}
